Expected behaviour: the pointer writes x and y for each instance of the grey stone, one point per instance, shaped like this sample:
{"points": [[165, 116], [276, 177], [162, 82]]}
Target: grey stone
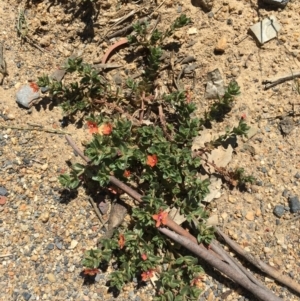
{"points": [[26, 96], [266, 29], [285, 193], [294, 204], [59, 245], [50, 246], [26, 296], [297, 176], [3, 191], [279, 210], [264, 170]]}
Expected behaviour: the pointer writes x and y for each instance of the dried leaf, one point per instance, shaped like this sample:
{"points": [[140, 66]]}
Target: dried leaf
{"points": [[219, 157], [175, 215], [214, 189]]}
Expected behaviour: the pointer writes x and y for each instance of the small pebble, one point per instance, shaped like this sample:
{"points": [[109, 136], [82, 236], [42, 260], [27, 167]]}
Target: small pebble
{"points": [[26, 296], [221, 45], [50, 246], [73, 244], [44, 217], [59, 245], [297, 175], [250, 216], [279, 210], [294, 204], [51, 277]]}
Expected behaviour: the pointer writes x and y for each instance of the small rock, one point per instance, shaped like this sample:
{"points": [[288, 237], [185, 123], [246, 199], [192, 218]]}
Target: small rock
{"points": [[44, 166], [59, 245], [280, 238], [44, 217], [3, 200], [221, 45], [11, 116], [285, 193], [294, 204], [26, 296], [279, 210], [24, 227], [297, 175], [50, 246], [249, 216], [27, 94], [231, 199], [34, 258], [192, 31], [73, 244], [51, 277], [267, 250]]}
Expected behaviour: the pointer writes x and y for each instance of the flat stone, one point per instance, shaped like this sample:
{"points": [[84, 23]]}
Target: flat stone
{"points": [[266, 29], [26, 95], [215, 85], [294, 204]]}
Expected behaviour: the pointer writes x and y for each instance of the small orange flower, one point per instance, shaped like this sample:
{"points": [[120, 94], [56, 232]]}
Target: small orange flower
{"points": [[105, 129], [34, 87], [144, 256], [121, 241], [90, 272], [160, 218], [148, 274], [151, 160], [243, 116], [93, 127], [126, 174]]}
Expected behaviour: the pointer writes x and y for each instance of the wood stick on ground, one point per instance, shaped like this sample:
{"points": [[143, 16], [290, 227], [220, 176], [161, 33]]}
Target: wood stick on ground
{"points": [[273, 82], [97, 211], [221, 266], [270, 271]]}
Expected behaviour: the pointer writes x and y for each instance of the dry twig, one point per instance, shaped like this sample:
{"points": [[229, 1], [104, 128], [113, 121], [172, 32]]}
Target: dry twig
{"points": [[33, 129], [273, 82]]}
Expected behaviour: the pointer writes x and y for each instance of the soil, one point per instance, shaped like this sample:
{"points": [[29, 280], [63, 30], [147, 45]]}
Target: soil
{"points": [[58, 29]]}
